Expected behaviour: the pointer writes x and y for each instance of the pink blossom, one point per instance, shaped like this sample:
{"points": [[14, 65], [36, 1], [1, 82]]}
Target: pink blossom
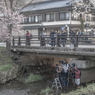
{"points": [[9, 22]]}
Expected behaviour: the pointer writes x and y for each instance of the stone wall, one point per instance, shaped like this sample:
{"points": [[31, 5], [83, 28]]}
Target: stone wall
{"points": [[32, 60]]}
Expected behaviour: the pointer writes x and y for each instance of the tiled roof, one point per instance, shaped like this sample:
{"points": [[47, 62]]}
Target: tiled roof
{"points": [[47, 5]]}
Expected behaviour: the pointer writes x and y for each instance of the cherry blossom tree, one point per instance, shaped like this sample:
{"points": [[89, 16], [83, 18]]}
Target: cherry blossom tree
{"points": [[10, 20], [83, 8]]}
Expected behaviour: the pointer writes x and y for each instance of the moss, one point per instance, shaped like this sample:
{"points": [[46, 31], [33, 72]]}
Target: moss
{"points": [[4, 59], [47, 90], [33, 78], [89, 90]]}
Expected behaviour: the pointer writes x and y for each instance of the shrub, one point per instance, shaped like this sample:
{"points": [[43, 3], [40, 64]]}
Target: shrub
{"points": [[33, 78]]}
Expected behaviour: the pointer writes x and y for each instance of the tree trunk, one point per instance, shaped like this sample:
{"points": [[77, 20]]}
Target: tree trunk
{"points": [[8, 46]]}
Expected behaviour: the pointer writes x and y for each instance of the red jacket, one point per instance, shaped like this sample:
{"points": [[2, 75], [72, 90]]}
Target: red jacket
{"points": [[77, 74], [28, 35]]}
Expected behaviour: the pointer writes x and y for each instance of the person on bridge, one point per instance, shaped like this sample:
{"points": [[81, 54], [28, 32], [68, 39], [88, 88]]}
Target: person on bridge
{"points": [[80, 35], [28, 38], [63, 37], [77, 76], [58, 34], [52, 36], [43, 38]]}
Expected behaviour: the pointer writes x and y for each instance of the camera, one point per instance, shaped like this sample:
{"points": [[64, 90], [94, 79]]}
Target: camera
{"points": [[61, 62], [57, 68]]}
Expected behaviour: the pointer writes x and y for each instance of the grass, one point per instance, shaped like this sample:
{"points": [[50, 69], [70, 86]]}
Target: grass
{"points": [[47, 90], [5, 67], [5, 61], [89, 90], [33, 78]]}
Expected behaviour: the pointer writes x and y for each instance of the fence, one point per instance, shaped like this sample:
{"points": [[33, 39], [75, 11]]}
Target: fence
{"points": [[58, 40]]}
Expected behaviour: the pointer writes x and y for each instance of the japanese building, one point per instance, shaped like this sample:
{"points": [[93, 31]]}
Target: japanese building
{"points": [[55, 14]]}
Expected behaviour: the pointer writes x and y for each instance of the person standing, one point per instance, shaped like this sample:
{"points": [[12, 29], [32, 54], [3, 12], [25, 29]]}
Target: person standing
{"points": [[66, 72], [43, 38], [77, 76], [80, 35], [28, 38], [73, 73], [58, 34], [63, 38], [52, 36]]}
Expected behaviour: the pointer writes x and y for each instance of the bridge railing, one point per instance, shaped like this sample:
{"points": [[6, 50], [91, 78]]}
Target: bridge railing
{"points": [[57, 40]]}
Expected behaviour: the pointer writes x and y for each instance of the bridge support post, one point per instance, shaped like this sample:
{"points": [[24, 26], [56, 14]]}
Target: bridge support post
{"points": [[26, 41], [40, 40], [19, 42], [13, 41], [57, 40], [76, 40]]}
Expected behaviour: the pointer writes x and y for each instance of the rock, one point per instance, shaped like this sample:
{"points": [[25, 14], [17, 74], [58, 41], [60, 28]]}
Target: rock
{"points": [[8, 75]]}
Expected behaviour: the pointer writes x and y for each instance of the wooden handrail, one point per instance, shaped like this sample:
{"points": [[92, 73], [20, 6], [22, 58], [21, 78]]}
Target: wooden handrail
{"points": [[57, 39]]}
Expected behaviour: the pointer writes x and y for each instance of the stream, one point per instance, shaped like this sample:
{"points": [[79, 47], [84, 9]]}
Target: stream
{"points": [[18, 88]]}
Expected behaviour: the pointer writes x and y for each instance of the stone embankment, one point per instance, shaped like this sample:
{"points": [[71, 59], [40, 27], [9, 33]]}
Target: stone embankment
{"points": [[8, 75], [8, 69]]}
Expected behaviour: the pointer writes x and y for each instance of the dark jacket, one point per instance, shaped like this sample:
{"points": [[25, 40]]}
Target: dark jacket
{"points": [[52, 34]]}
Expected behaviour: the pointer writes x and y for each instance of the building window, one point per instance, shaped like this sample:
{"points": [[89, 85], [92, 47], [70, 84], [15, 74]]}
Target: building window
{"points": [[29, 19], [76, 16], [32, 18], [88, 17], [52, 17], [25, 20], [38, 19], [64, 16], [92, 18], [49, 17], [67, 15], [22, 20]]}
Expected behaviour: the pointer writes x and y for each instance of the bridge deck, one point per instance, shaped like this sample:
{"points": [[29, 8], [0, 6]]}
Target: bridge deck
{"points": [[56, 51], [84, 45]]}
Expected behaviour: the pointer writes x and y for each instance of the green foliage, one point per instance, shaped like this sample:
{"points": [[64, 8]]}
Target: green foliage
{"points": [[82, 24], [5, 62], [83, 90], [6, 67], [33, 78], [4, 59], [47, 90]]}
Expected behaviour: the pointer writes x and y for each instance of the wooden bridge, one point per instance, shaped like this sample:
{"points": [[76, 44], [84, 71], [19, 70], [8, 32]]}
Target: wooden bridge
{"points": [[74, 45]]}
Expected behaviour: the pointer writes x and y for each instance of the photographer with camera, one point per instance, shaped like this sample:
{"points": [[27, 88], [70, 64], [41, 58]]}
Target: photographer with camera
{"points": [[77, 76], [73, 73], [66, 68], [60, 72]]}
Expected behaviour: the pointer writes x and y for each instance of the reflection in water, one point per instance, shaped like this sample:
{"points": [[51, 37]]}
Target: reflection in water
{"points": [[17, 88]]}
